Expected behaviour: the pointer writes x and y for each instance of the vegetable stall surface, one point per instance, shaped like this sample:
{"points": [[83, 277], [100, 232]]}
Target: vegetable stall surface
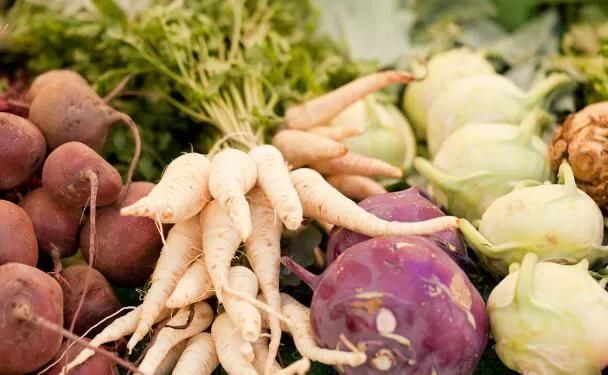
{"points": [[418, 315]]}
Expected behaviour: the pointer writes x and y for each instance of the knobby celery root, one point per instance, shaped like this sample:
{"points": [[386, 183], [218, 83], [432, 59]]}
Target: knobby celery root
{"points": [[181, 193], [355, 187], [323, 202], [273, 179], [181, 247], [195, 285], [199, 357], [264, 253], [321, 110], [168, 336], [233, 173], [227, 342], [583, 140], [353, 163], [301, 148]]}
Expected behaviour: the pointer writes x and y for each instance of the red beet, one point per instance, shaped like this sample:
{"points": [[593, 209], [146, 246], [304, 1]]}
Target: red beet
{"points": [[22, 150], [25, 345], [17, 236], [98, 364], [99, 302], [406, 206], [55, 223], [128, 246], [405, 302]]}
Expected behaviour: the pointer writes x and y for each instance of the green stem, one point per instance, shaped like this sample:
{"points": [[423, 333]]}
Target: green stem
{"points": [[566, 176], [531, 125], [539, 93], [524, 286]]}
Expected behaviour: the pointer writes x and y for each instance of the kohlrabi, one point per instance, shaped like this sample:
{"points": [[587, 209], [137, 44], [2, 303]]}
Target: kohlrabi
{"points": [[479, 163], [440, 70], [386, 133], [486, 98], [557, 222], [550, 319]]}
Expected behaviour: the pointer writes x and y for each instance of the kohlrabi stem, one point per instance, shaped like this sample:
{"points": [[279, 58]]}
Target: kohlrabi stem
{"points": [[525, 279], [542, 90], [566, 176], [410, 148], [302, 273], [436, 176], [24, 312], [477, 240], [531, 125]]}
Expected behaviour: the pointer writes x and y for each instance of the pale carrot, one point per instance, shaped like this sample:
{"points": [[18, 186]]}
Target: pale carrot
{"points": [[232, 174], [199, 357], [168, 364], [273, 179], [245, 317], [263, 251], [353, 163], [301, 331], [302, 148], [195, 285], [323, 202], [168, 336], [321, 110], [228, 340], [119, 328], [181, 247], [355, 187], [182, 192], [337, 134], [260, 349]]}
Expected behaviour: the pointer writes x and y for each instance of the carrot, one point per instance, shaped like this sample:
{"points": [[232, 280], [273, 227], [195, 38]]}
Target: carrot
{"points": [[119, 328], [353, 163], [168, 337], [299, 367], [227, 343], [321, 110], [220, 242], [301, 331], [245, 317], [199, 358], [233, 173], [302, 148], [264, 253], [182, 192], [273, 178], [168, 363], [181, 246], [355, 187], [323, 202], [337, 134], [195, 285]]}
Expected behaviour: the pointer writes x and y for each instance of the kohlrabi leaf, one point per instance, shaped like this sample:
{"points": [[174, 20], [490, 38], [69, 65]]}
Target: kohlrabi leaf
{"points": [[371, 30]]}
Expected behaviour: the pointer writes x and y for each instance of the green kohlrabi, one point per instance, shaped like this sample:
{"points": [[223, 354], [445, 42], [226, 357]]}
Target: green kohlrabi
{"points": [[387, 135], [479, 163], [550, 319], [484, 98], [557, 222], [440, 70]]}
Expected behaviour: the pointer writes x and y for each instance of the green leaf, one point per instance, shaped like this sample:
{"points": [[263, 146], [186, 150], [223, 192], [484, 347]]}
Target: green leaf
{"points": [[111, 10]]}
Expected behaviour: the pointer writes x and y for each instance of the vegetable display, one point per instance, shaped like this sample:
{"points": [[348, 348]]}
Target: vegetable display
{"points": [[287, 196]]}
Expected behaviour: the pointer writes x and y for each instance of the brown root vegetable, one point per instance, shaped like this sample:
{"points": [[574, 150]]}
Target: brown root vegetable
{"points": [[22, 150], [100, 300], [68, 173], [71, 111], [52, 76], [583, 142], [127, 246], [17, 237], [56, 224], [96, 365], [26, 291]]}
